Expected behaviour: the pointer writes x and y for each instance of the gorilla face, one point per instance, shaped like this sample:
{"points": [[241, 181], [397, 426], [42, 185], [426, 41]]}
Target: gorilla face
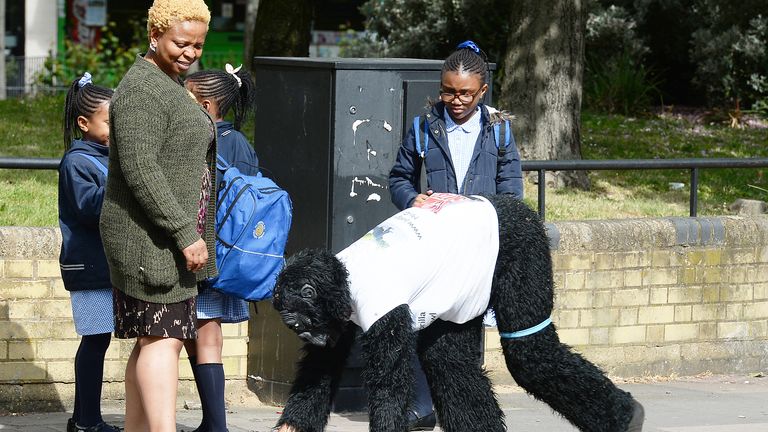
{"points": [[300, 312], [312, 296]]}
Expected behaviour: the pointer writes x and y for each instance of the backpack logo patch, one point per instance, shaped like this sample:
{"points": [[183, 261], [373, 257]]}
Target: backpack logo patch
{"points": [[258, 232]]}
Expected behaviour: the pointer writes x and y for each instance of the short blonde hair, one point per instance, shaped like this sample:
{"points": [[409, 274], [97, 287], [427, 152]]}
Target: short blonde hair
{"points": [[164, 14]]}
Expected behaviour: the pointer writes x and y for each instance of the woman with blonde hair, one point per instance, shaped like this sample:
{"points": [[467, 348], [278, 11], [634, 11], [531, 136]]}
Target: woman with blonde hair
{"points": [[157, 221]]}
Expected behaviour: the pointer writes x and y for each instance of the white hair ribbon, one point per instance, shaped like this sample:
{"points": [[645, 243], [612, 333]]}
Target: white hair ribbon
{"points": [[233, 71], [86, 79]]}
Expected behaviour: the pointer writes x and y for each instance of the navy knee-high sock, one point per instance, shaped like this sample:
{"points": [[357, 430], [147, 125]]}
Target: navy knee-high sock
{"points": [[204, 422], [210, 385], [89, 374]]}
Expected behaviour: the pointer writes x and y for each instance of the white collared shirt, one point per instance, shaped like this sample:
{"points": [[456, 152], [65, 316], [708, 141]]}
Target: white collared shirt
{"points": [[461, 143]]}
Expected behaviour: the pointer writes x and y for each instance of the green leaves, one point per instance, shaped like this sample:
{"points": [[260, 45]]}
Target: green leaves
{"points": [[619, 85], [108, 61]]}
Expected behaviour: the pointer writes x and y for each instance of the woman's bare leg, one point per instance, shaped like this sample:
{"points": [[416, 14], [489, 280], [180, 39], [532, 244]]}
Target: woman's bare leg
{"points": [[135, 417], [157, 373]]}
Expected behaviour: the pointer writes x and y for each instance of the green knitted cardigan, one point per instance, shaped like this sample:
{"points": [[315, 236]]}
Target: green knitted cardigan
{"points": [[159, 146]]}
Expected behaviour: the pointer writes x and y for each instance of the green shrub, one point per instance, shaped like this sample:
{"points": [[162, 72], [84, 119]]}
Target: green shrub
{"points": [[107, 62], [730, 53], [620, 85], [431, 29], [611, 32], [615, 78]]}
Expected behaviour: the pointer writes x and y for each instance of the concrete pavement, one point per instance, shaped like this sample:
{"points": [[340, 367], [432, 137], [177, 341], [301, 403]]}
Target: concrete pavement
{"points": [[696, 404]]}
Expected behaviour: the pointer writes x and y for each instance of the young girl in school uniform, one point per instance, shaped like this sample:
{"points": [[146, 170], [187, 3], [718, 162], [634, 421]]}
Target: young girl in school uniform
{"points": [[463, 158], [84, 270], [219, 92]]}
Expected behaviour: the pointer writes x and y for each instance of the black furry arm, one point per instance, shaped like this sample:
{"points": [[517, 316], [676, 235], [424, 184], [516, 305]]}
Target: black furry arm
{"points": [[316, 381], [387, 348]]}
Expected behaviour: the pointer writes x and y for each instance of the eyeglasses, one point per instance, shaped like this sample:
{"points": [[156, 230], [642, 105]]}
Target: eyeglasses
{"points": [[464, 97]]}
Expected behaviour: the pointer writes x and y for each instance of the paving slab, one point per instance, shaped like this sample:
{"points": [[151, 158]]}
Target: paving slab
{"points": [[732, 403]]}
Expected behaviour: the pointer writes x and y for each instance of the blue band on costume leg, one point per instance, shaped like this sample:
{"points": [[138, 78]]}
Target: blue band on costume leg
{"points": [[528, 331]]}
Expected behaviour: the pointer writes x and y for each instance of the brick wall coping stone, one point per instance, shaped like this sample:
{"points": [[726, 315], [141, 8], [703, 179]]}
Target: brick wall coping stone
{"points": [[565, 236], [29, 242], [634, 234]]}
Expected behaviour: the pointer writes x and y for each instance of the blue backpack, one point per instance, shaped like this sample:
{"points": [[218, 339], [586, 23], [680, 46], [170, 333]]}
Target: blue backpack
{"points": [[253, 218]]}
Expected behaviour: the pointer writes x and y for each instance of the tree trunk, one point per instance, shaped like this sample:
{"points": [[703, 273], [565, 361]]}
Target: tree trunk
{"points": [[283, 28], [542, 82], [251, 12]]}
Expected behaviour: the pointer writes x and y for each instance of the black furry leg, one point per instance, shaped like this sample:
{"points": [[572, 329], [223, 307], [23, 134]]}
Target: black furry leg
{"points": [[316, 382], [387, 349], [450, 356], [522, 297], [571, 385]]}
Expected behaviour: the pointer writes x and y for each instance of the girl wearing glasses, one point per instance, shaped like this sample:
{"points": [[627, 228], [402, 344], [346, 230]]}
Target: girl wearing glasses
{"points": [[455, 144]]}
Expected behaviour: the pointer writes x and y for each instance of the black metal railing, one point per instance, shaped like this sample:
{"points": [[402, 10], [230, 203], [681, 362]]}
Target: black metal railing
{"points": [[29, 163], [541, 167], [693, 164]]}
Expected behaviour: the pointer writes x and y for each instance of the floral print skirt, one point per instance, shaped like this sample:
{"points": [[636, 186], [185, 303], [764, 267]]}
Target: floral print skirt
{"points": [[134, 318]]}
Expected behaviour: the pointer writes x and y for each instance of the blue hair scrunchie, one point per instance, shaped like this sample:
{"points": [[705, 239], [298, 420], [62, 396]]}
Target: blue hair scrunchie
{"points": [[469, 45], [86, 79]]}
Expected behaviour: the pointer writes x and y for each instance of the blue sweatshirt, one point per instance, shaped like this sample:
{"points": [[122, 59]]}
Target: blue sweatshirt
{"points": [[234, 148], [81, 193]]}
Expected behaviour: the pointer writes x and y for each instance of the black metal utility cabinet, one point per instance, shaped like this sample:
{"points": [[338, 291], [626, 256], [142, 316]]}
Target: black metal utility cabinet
{"points": [[329, 130]]}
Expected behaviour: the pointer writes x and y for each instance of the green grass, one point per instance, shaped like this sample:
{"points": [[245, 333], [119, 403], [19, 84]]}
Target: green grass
{"points": [[32, 128], [605, 201], [670, 137], [28, 200]]}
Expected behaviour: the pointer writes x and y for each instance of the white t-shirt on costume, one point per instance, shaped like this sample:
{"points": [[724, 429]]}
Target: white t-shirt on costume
{"points": [[438, 259]]}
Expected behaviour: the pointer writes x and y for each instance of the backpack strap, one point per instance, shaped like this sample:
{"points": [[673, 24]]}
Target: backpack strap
{"points": [[502, 135], [221, 164], [416, 126], [421, 150], [100, 166]]}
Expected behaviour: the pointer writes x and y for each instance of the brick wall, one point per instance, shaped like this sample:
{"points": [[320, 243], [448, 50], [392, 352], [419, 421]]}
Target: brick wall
{"points": [[660, 296], [38, 340]]}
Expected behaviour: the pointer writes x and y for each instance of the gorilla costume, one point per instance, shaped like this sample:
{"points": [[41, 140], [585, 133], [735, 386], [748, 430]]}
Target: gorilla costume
{"points": [[407, 294]]}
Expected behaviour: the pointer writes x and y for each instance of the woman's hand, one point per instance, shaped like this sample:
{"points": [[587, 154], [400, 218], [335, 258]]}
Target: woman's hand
{"points": [[196, 255], [420, 198]]}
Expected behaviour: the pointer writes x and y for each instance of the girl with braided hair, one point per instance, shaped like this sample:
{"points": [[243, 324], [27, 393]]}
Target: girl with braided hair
{"points": [[463, 156], [457, 145], [219, 92], [84, 269], [222, 91]]}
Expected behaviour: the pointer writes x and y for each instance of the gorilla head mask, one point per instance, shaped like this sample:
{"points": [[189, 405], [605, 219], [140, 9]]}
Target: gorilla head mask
{"points": [[312, 296]]}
